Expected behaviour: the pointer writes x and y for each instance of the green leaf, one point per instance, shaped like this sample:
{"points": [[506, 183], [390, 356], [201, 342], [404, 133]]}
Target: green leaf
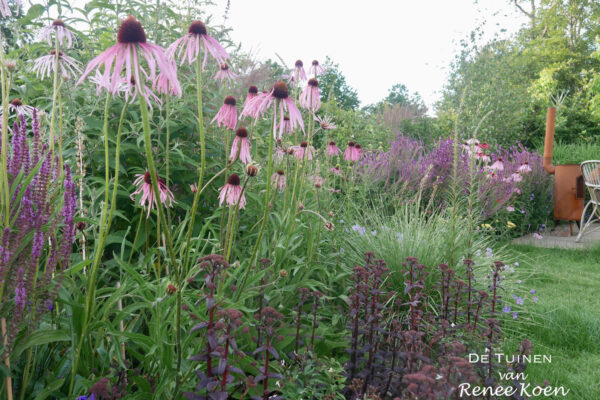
{"points": [[42, 337], [54, 386]]}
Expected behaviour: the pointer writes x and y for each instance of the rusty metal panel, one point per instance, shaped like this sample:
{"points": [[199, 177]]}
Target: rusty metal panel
{"points": [[567, 205]]}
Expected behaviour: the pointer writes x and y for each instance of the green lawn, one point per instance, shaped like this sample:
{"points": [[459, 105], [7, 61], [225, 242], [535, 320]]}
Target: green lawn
{"points": [[565, 323]]}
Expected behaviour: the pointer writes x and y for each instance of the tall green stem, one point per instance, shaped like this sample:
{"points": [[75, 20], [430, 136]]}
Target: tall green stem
{"points": [[89, 299], [5, 190], [266, 206], [202, 159], [55, 89], [162, 220]]}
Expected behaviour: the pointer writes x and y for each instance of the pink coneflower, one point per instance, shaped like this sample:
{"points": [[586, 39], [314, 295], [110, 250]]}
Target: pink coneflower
{"points": [[163, 85], [358, 152], [336, 170], [131, 91], [241, 146], [44, 66], [263, 101], [483, 146], [278, 180], [103, 85], [300, 151], [131, 47], [316, 69], [189, 46], [232, 192], [524, 168], [252, 93], [227, 115], [64, 35], [225, 73], [483, 157], [310, 98], [286, 128], [298, 74], [498, 165], [144, 184], [325, 123], [349, 153], [332, 149], [17, 106], [516, 177], [5, 10], [318, 181]]}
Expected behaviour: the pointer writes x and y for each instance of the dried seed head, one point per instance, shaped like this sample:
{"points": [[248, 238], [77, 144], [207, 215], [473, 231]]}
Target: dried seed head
{"points": [[197, 28], [171, 289], [313, 82], [283, 273], [11, 65], [280, 90], [131, 31], [229, 100], [234, 180], [329, 226], [252, 170], [299, 64]]}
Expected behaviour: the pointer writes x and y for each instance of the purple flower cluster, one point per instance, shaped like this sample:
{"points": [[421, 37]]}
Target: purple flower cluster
{"points": [[409, 165], [42, 228]]}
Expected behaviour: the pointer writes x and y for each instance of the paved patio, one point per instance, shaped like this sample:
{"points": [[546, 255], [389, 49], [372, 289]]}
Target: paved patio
{"points": [[560, 238]]}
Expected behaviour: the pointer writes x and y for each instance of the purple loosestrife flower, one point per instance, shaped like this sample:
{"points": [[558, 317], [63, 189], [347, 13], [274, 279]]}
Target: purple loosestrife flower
{"points": [[280, 93], [58, 27], [227, 115], [187, 48], [130, 50], [45, 66], [41, 232], [310, 98]]}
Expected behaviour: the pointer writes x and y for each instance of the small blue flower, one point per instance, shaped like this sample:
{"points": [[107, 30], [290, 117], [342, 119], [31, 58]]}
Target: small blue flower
{"points": [[515, 314], [532, 291], [535, 299], [506, 309], [516, 264], [519, 301], [359, 229], [399, 236]]}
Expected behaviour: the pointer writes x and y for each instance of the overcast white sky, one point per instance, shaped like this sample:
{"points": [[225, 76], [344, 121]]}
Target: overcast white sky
{"points": [[377, 43]]}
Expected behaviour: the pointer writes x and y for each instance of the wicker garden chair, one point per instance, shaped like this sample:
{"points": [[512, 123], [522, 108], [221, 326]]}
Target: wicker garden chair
{"points": [[591, 175]]}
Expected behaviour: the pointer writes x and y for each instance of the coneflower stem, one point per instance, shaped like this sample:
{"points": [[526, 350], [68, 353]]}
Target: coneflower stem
{"points": [[137, 231], [99, 246], [222, 233], [235, 218], [105, 224], [167, 145], [55, 89], [202, 159], [162, 220], [266, 206], [5, 190]]}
